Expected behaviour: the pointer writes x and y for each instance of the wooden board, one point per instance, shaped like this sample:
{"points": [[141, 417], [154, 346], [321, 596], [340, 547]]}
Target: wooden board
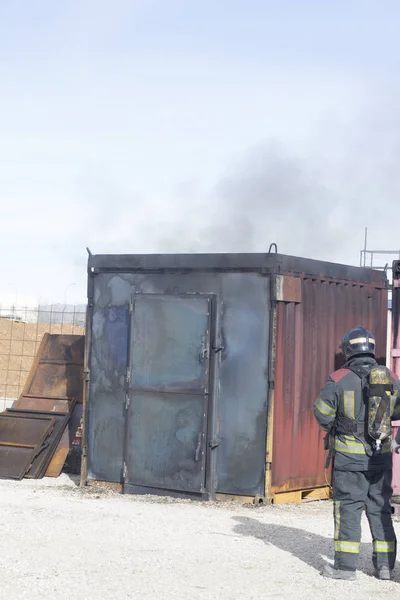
{"points": [[293, 497]]}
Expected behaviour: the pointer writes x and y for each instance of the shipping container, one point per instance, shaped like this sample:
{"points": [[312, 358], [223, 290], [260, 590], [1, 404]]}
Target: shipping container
{"points": [[395, 361], [202, 370]]}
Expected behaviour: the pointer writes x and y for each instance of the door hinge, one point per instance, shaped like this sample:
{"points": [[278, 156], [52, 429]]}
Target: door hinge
{"points": [[128, 376], [127, 400], [87, 375], [131, 308], [125, 471]]}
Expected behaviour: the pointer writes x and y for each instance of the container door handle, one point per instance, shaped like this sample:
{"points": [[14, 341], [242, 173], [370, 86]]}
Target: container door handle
{"points": [[197, 453]]}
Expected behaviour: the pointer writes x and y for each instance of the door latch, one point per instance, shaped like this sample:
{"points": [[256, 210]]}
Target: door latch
{"points": [[218, 349], [214, 443], [203, 352], [218, 346]]}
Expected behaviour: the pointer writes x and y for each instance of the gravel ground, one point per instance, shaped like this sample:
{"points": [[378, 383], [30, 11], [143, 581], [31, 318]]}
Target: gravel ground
{"points": [[59, 541]]}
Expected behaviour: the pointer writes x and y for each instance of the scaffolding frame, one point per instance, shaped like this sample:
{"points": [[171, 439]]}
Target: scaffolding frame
{"points": [[367, 256]]}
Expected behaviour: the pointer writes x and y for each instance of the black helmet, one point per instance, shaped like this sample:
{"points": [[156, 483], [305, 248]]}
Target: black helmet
{"points": [[358, 341]]}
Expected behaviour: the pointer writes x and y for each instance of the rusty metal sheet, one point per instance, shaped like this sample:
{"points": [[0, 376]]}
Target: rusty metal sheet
{"points": [[64, 348], [57, 371], [15, 460], [21, 439], [308, 335], [395, 333], [395, 361], [23, 429], [288, 289], [55, 384], [45, 404], [60, 456], [57, 380], [65, 444], [42, 460]]}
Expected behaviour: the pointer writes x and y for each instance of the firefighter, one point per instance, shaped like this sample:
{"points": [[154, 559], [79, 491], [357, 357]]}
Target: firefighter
{"points": [[362, 470]]}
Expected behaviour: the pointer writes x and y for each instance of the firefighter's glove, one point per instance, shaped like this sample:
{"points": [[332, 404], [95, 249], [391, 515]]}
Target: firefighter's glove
{"points": [[395, 446]]}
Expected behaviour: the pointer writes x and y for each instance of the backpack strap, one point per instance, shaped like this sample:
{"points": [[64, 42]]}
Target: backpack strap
{"points": [[362, 372], [362, 430]]}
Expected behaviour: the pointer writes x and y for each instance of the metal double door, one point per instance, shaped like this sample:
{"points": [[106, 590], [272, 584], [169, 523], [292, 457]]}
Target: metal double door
{"points": [[168, 394]]}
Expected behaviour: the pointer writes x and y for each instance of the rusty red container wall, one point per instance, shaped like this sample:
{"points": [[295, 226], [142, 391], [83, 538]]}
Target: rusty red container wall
{"points": [[395, 366], [395, 333], [308, 335]]}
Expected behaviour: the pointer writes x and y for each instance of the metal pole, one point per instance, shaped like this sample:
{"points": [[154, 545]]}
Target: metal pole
{"points": [[365, 246], [65, 293]]}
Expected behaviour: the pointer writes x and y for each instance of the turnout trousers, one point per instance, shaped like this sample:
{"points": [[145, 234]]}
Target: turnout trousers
{"points": [[352, 491]]}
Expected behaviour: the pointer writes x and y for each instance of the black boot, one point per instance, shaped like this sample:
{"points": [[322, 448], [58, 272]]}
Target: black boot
{"points": [[383, 573], [332, 573]]}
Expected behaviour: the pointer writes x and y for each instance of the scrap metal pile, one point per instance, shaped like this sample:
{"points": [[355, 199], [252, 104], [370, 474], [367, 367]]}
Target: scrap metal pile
{"points": [[37, 433]]}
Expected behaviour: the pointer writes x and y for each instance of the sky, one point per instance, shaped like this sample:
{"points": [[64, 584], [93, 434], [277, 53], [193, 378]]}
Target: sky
{"points": [[186, 126]]}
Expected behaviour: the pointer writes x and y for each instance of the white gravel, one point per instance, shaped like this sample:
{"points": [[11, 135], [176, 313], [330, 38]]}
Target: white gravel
{"points": [[61, 542]]}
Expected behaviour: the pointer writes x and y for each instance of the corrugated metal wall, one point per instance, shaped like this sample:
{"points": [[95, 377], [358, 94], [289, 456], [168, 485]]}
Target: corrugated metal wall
{"points": [[308, 335], [395, 362]]}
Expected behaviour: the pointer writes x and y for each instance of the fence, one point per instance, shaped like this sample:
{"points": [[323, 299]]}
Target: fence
{"points": [[21, 331]]}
